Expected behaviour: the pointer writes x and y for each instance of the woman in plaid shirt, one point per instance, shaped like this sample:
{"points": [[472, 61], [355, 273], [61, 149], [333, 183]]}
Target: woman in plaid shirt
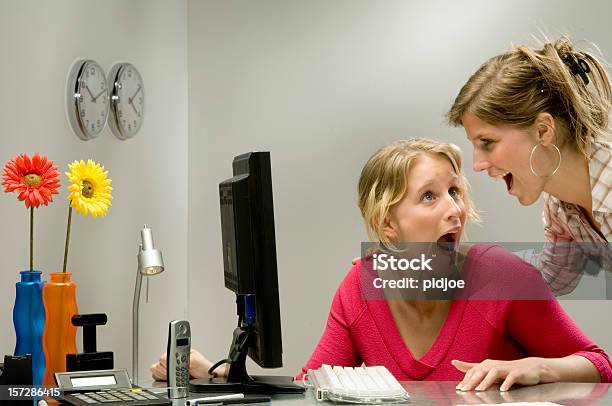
{"points": [[539, 119]]}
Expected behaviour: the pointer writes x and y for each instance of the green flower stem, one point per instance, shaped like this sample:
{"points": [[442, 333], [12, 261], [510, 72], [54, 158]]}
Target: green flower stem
{"points": [[67, 238], [31, 238]]}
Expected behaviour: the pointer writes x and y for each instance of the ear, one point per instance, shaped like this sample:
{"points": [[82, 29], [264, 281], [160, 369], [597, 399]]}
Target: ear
{"points": [[390, 229], [545, 127]]}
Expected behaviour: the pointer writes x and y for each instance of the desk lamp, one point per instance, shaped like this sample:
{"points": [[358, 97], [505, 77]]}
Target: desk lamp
{"points": [[150, 263]]}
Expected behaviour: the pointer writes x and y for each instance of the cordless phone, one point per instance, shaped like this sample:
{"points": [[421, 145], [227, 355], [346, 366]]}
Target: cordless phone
{"points": [[177, 358]]}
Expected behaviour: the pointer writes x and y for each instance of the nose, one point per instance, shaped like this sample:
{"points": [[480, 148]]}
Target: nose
{"points": [[454, 208], [479, 163]]}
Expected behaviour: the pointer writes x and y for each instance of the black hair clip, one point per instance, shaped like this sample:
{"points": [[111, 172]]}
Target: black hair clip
{"points": [[577, 66]]}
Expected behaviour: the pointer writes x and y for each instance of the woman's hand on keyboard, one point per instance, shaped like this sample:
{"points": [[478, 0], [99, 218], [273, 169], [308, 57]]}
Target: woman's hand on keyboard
{"points": [[198, 367]]}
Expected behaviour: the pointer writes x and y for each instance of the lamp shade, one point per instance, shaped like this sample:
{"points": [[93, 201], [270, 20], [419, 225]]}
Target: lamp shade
{"points": [[150, 261]]}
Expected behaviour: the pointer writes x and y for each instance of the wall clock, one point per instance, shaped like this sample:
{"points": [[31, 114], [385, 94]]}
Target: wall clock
{"points": [[127, 100], [87, 98]]}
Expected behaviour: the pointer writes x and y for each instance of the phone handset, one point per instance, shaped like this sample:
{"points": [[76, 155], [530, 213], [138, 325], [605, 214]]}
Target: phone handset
{"points": [[177, 358]]}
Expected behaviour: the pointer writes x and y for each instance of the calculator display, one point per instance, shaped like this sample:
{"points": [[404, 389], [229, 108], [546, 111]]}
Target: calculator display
{"points": [[93, 381]]}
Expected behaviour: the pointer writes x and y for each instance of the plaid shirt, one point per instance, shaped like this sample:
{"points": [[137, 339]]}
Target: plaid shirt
{"points": [[572, 239]]}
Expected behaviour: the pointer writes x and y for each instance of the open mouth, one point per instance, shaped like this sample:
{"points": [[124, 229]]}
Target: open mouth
{"points": [[508, 178], [448, 241]]}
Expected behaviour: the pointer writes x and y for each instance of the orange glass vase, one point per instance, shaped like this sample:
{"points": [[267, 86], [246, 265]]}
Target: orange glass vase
{"points": [[59, 336]]}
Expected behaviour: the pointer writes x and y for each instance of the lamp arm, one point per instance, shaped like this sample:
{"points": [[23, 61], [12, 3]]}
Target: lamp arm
{"points": [[135, 327]]}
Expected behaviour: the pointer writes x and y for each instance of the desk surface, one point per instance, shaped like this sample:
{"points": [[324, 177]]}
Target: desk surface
{"points": [[444, 393]]}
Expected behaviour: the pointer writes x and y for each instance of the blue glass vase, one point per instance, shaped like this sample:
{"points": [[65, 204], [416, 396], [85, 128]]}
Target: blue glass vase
{"points": [[29, 321]]}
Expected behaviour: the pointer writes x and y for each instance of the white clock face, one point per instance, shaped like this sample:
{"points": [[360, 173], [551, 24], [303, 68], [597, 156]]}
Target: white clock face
{"points": [[128, 100], [89, 107]]}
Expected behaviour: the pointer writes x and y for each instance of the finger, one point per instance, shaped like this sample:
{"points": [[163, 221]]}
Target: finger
{"points": [[475, 378], [467, 378], [158, 372], [489, 379], [508, 382], [462, 365], [161, 372]]}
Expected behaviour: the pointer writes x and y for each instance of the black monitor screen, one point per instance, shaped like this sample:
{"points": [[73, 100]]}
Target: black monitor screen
{"points": [[249, 250]]}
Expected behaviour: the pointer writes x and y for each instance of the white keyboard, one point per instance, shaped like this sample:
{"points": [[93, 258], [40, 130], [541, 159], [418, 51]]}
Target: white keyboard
{"points": [[355, 385]]}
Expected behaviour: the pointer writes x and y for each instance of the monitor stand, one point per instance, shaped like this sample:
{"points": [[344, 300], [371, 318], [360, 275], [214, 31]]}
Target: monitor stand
{"points": [[238, 379]]}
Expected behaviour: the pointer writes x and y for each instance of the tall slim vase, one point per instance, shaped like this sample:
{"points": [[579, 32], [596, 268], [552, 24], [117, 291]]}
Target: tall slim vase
{"points": [[29, 321], [59, 337]]}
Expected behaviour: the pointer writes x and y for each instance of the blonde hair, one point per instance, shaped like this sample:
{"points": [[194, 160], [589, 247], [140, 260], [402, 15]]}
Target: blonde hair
{"points": [[383, 180], [514, 87]]}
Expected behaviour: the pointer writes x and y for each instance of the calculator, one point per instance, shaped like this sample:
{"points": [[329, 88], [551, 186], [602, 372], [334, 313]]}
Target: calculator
{"points": [[105, 387], [136, 397]]}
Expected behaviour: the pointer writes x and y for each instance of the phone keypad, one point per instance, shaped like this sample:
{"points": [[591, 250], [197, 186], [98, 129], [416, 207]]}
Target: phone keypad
{"points": [[182, 370]]}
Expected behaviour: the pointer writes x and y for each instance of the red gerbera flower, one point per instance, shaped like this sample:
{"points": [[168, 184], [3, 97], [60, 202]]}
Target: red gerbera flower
{"points": [[36, 180]]}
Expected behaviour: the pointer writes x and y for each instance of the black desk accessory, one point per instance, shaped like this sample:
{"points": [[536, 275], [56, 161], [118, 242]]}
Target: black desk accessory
{"points": [[90, 359], [17, 371]]}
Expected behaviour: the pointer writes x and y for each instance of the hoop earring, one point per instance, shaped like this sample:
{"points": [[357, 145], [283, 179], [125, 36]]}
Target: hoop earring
{"points": [[531, 163]]}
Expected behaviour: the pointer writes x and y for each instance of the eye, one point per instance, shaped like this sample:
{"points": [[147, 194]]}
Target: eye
{"points": [[454, 191], [427, 197], [486, 143]]}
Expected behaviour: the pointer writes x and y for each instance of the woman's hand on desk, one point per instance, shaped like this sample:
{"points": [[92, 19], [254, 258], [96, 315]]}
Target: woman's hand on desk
{"points": [[198, 367], [480, 376], [525, 371]]}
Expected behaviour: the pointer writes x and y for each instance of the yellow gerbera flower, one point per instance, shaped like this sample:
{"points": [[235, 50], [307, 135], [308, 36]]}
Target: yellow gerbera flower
{"points": [[90, 191]]}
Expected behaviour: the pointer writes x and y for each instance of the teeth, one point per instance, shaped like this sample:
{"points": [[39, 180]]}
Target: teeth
{"points": [[500, 176]]}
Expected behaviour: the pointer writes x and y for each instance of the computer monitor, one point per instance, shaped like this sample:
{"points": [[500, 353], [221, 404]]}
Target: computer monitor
{"points": [[250, 271]]}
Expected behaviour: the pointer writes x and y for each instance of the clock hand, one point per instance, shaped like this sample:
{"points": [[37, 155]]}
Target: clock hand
{"points": [[134, 107], [93, 98], [99, 94], [135, 93]]}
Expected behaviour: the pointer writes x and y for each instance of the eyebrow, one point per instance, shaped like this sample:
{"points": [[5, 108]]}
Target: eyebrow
{"points": [[430, 182], [477, 136], [426, 185]]}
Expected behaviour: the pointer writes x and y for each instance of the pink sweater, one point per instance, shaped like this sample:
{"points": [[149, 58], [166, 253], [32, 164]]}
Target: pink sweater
{"points": [[363, 331]]}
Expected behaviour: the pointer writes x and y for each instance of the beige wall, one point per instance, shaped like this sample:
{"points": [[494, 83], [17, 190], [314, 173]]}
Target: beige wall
{"points": [[322, 84], [40, 40]]}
